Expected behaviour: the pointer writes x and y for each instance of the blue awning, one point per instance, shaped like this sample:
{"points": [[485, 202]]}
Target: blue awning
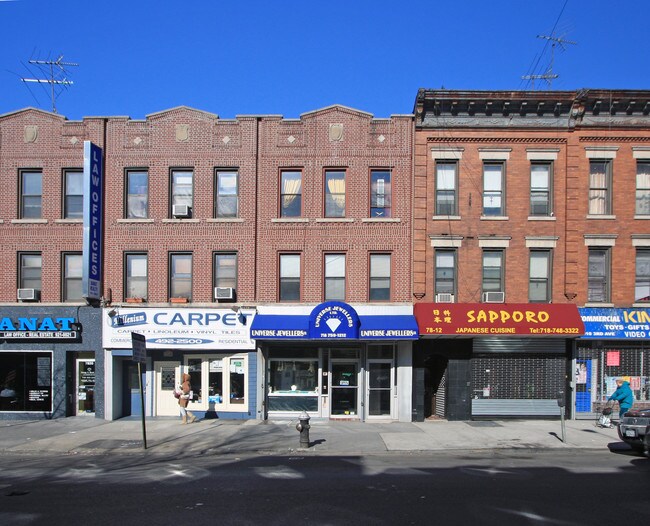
{"points": [[298, 327]]}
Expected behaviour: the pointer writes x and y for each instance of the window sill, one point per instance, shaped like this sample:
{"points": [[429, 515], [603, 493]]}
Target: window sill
{"points": [[595, 304], [175, 220], [542, 218], [29, 221], [179, 300], [642, 217], [69, 221], [224, 220], [446, 218], [381, 220], [289, 220], [134, 220], [135, 300], [603, 216], [495, 218], [334, 220], [643, 305]]}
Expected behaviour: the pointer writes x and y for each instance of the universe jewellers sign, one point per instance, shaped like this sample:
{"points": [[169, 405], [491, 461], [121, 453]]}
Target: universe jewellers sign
{"points": [[481, 319]]}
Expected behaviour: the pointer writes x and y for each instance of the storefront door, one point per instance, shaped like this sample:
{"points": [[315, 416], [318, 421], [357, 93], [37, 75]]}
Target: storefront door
{"points": [[168, 376], [85, 389], [583, 386], [380, 388], [344, 388]]}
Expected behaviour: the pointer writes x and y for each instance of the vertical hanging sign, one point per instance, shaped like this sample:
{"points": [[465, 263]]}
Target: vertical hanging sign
{"points": [[93, 221]]}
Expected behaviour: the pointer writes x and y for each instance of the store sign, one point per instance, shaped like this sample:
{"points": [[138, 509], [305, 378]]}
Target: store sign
{"points": [[178, 328], [37, 328], [620, 324], [481, 319], [92, 221], [334, 320]]}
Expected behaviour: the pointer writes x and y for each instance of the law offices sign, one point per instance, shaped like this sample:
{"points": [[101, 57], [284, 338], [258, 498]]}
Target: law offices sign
{"points": [[93, 199], [179, 328]]}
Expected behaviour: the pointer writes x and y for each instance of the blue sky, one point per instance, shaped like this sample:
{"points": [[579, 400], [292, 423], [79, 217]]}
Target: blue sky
{"points": [[289, 57]]}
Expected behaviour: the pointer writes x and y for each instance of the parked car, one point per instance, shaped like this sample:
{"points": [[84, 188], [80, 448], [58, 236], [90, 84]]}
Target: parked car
{"points": [[646, 442], [633, 429]]}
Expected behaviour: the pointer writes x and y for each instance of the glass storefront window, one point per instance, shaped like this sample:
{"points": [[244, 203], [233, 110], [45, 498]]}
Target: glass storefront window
{"points": [[293, 376], [219, 382], [26, 381]]}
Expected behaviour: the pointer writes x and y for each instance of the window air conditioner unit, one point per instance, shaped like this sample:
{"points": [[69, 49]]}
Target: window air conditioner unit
{"points": [[224, 293], [444, 298], [181, 211], [27, 294], [494, 297]]}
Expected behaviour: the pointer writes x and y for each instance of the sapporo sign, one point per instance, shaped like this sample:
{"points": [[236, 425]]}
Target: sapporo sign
{"points": [[481, 319]]}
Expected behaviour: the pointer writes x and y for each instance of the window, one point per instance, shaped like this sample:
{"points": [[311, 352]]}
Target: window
{"points": [[289, 277], [642, 283], [290, 193], [540, 189], [30, 271], [227, 200], [598, 278], [446, 189], [219, 382], [643, 188], [136, 276], [31, 194], [493, 202], [380, 193], [379, 277], [72, 274], [334, 194], [182, 188], [73, 201], [539, 284], [493, 271], [600, 183], [137, 194], [180, 276], [225, 270], [334, 277], [27, 381], [445, 272]]}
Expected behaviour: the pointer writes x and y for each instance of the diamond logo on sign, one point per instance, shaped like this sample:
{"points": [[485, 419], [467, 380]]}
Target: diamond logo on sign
{"points": [[333, 324]]}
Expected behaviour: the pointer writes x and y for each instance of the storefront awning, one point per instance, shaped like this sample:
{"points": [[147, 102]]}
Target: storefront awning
{"points": [[507, 319], [334, 321]]}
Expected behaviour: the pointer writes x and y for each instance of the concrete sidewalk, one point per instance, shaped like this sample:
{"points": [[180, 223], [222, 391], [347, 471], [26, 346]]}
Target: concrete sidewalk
{"points": [[166, 436]]}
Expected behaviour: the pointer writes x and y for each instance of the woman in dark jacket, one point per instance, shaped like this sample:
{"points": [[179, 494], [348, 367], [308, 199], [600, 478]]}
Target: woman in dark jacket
{"points": [[624, 396]]}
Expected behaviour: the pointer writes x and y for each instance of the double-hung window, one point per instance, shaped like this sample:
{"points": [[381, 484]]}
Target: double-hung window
{"points": [[493, 189], [539, 284], [334, 277], [31, 194], [227, 198], [30, 270], [225, 270], [72, 274], [445, 282], [137, 194], [73, 202], [379, 286], [642, 283], [334, 193], [598, 275], [493, 271], [290, 193], [182, 191], [540, 189], [135, 279], [446, 183], [180, 275], [289, 277], [380, 193], [600, 187], [643, 188]]}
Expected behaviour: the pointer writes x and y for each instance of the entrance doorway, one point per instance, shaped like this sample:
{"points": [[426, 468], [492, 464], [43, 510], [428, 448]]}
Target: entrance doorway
{"points": [[435, 387], [344, 388], [379, 379], [85, 389], [168, 376]]}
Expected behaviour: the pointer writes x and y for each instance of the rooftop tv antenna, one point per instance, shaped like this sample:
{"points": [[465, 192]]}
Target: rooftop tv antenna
{"points": [[55, 72], [549, 76]]}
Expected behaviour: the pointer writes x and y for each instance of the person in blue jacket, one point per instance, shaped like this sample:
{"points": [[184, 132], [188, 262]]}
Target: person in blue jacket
{"points": [[623, 395]]}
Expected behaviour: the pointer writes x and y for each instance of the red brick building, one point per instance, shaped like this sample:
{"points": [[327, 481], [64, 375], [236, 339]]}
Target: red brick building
{"points": [[536, 199]]}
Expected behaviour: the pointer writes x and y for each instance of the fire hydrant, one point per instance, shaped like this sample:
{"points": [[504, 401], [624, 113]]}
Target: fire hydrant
{"points": [[303, 426]]}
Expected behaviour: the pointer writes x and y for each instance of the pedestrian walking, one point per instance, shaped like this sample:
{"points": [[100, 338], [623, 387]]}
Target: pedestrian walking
{"points": [[184, 400], [623, 395]]}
